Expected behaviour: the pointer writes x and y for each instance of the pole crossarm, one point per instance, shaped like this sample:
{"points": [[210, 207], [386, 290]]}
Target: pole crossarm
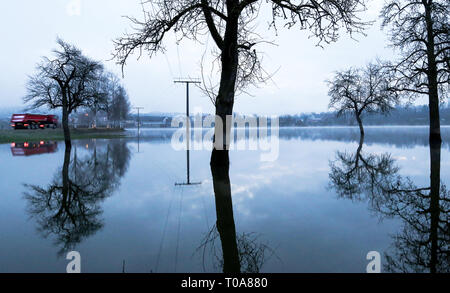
{"points": [[187, 184], [187, 80]]}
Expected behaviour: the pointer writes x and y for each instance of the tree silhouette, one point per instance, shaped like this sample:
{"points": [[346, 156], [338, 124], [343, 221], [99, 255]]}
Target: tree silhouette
{"points": [[358, 91], [68, 81], [230, 23], [420, 30], [116, 104]]}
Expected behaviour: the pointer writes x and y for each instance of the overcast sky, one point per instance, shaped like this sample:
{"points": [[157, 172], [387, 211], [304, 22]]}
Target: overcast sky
{"points": [[29, 30]]}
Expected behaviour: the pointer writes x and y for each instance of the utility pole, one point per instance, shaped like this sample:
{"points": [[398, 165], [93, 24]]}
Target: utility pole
{"points": [[188, 131], [139, 124], [139, 120]]}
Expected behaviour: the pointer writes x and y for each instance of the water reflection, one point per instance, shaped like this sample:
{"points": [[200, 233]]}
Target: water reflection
{"points": [[220, 166], [423, 245], [353, 176], [188, 172], [69, 209], [33, 148], [240, 252], [397, 136], [285, 203]]}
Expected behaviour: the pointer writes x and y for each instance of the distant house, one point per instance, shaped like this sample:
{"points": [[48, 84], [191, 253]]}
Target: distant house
{"points": [[155, 121], [314, 120]]}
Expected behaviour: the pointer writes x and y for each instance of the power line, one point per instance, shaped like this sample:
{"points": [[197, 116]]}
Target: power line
{"points": [[179, 229], [163, 235], [179, 62]]}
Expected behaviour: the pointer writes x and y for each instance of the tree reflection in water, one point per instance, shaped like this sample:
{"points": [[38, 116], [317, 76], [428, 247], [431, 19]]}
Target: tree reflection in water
{"points": [[240, 252], [423, 245], [69, 207], [251, 252], [352, 175]]}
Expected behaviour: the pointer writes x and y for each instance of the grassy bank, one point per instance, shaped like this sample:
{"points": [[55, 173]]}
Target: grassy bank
{"points": [[25, 135]]}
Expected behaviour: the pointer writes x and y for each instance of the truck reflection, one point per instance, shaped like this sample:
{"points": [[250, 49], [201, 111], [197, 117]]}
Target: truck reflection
{"points": [[33, 148]]}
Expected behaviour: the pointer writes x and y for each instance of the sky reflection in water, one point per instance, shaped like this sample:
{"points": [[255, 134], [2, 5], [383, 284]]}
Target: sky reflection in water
{"points": [[287, 209]]}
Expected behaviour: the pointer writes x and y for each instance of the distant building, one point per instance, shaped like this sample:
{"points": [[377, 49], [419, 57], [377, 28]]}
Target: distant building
{"points": [[155, 121]]}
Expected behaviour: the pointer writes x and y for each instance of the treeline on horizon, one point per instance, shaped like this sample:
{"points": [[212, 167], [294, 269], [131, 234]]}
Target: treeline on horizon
{"points": [[400, 115]]}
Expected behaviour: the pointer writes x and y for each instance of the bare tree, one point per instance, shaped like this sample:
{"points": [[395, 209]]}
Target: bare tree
{"points": [[230, 23], [420, 30], [362, 90], [115, 103], [102, 96], [67, 81], [119, 106]]}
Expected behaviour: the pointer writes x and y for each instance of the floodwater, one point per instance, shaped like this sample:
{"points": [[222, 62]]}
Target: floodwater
{"points": [[324, 204]]}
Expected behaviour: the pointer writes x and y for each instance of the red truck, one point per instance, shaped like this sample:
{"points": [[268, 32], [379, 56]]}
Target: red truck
{"points": [[33, 148], [33, 121]]}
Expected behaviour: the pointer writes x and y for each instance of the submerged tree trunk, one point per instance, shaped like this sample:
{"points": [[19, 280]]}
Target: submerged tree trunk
{"points": [[224, 209], [433, 95], [435, 125], [220, 162], [219, 157]]}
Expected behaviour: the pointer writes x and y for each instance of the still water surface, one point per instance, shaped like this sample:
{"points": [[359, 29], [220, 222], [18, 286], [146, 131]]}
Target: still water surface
{"points": [[315, 209]]}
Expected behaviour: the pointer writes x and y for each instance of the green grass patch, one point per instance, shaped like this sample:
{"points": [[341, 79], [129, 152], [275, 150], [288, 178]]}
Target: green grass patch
{"points": [[26, 135]]}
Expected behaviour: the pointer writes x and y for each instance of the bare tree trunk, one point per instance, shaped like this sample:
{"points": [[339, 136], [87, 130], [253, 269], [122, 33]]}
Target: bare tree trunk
{"points": [[229, 60], [361, 128], [65, 121], [95, 116], [435, 126], [433, 96]]}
